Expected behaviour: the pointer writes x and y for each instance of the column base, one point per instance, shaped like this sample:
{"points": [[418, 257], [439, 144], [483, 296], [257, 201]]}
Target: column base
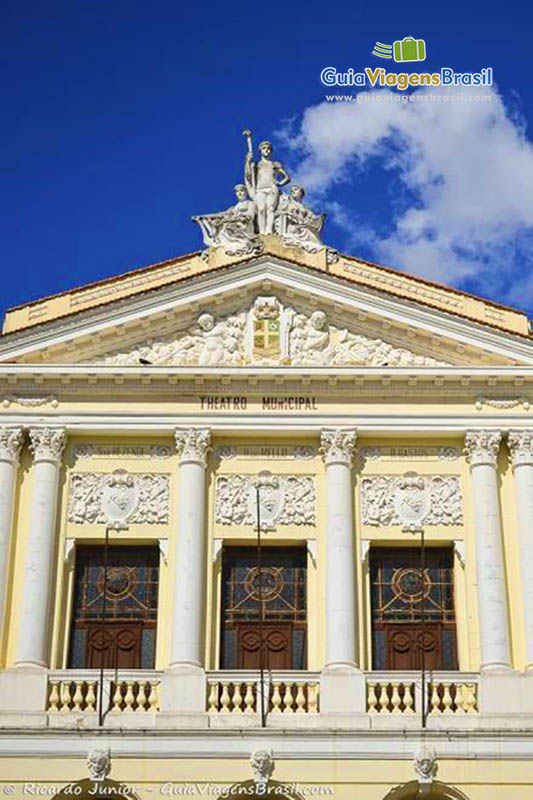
{"points": [[184, 690], [342, 690], [23, 689]]}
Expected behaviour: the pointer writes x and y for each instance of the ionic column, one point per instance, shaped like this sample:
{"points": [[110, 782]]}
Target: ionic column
{"points": [[47, 445], [521, 449], [482, 448], [190, 562], [10, 445], [337, 446]]}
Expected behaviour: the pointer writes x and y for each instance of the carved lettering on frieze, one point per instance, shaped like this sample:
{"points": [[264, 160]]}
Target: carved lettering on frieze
{"points": [[291, 500], [119, 496], [411, 500]]}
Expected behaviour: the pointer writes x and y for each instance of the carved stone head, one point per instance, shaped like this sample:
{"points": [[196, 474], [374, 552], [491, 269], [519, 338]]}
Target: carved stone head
{"points": [[425, 763], [319, 320], [99, 763], [206, 322], [241, 192], [297, 192], [265, 148], [262, 765]]}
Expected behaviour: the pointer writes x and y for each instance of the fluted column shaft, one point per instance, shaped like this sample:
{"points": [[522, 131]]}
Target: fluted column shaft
{"points": [[10, 444], [47, 445], [189, 574], [521, 449], [337, 445], [482, 447]]}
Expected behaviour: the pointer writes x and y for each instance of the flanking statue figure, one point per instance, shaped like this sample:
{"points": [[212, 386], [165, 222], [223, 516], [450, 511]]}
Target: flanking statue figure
{"points": [[298, 225], [232, 229], [262, 208]]}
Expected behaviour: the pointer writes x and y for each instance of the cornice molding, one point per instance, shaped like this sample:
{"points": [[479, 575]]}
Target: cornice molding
{"points": [[240, 277]]}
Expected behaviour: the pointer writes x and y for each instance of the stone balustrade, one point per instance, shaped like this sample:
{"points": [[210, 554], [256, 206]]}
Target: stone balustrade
{"points": [[77, 692], [239, 692], [447, 693]]}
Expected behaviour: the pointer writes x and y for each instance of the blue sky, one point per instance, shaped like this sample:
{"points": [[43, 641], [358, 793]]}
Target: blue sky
{"points": [[122, 119]]}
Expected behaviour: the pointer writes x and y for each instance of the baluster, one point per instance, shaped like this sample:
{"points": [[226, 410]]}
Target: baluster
{"points": [[54, 699], [249, 698], [66, 696], [447, 700], [435, 699], [225, 698], [276, 698], [77, 700], [459, 698], [90, 699], [288, 699], [117, 698], [408, 699], [372, 700], [300, 698], [396, 699], [129, 699], [312, 698], [153, 697], [237, 699], [470, 698], [141, 697], [212, 702]]}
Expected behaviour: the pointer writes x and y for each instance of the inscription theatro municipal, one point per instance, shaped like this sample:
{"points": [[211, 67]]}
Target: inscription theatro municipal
{"points": [[216, 403]]}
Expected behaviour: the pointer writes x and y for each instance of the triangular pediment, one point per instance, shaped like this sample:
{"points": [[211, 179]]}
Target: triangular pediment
{"points": [[266, 311]]}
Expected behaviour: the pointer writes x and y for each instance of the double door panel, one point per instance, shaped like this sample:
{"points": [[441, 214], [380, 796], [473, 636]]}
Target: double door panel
{"points": [[264, 608]]}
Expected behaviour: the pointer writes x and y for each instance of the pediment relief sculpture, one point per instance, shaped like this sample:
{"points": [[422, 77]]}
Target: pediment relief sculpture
{"points": [[268, 334]]}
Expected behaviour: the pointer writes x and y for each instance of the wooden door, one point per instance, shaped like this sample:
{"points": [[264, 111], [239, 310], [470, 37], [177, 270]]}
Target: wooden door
{"points": [[411, 647], [124, 636], [276, 641], [413, 612], [268, 596], [114, 646]]}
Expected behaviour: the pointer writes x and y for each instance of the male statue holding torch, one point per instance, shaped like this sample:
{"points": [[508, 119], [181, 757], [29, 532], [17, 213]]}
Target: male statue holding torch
{"points": [[263, 179]]}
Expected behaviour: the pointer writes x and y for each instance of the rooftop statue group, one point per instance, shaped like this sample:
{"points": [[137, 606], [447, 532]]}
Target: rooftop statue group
{"points": [[262, 208]]}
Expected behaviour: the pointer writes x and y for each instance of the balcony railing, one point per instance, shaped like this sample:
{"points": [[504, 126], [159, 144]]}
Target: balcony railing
{"points": [[78, 692], [446, 693], [284, 692], [238, 697]]}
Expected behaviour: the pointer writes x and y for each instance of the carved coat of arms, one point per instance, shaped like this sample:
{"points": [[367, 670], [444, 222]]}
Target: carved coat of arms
{"points": [[120, 496], [412, 501]]}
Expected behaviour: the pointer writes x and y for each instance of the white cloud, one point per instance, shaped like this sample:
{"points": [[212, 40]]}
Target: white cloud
{"points": [[468, 167]]}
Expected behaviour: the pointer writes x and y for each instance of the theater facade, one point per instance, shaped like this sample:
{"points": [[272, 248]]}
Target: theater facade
{"points": [[374, 638]]}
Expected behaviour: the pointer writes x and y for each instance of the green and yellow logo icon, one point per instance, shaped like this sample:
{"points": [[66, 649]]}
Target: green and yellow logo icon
{"points": [[406, 49]]}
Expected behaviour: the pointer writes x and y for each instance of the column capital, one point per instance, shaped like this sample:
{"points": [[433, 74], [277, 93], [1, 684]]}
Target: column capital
{"points": [[193, 444], [337, 445], [482, 446], [47, 443], [521, 447], [10, 444]]}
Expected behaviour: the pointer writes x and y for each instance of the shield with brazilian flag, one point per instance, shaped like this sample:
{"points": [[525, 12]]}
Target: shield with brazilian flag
{"points": [[409, 49]]}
